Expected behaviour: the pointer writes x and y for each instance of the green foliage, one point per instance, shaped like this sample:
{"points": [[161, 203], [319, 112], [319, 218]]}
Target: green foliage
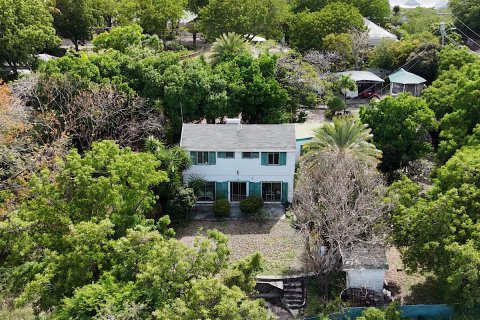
{"points": [[76, 19], [310, 28], [244, 17], [335, 104], [221, 207], [454, 98], [120, 38], [400, 127], [439, 230], [376, 10], [180, 207], [26, 29], [228, 46], [70, 217], [455, 56], [152, 16], [468, 14], [251, 205], [418, 20], [389, 313], [341, 44], [345, 136]]}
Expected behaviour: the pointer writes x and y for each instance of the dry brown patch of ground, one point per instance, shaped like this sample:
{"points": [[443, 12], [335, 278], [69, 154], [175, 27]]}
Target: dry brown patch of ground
{"points": [[280, 245]]}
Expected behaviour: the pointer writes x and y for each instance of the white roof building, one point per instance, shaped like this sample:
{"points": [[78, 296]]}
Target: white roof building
{"points": [[377, 33]]}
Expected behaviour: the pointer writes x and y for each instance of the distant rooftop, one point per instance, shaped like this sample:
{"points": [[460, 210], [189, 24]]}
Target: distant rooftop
{"points": [[232, 137], [306, 130], [377, 33], [362, 76]]}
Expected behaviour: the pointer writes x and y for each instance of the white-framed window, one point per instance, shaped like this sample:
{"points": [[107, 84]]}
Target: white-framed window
{"points": [[202, 157], [272, 191], [229, 155], [273, 158], [250, 155]]}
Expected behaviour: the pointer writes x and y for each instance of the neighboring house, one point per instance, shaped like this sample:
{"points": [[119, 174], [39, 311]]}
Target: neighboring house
{"points": [[304, 133], [365, 268], [238, 160], [365, 80], [376, 33]]}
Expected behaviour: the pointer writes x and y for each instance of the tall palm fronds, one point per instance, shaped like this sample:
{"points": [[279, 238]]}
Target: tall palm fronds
{"points": [[346, 136], [227, 46], [52, 6]]}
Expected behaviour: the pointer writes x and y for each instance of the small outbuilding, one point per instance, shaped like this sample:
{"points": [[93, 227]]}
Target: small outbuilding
{"points": [[365, 80], [404, 81], [365, 268]]}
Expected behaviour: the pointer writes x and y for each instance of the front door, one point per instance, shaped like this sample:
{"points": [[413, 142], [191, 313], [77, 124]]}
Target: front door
{"points": [[238, 191], [271, 191]]}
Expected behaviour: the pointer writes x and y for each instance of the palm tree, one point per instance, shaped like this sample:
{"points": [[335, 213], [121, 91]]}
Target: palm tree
{"points": [[52, 6], [345, 136], [227, 46], [344, 83]]}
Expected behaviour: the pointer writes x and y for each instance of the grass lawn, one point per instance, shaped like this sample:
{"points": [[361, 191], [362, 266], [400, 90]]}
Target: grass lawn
{"points": [[280, 245]]}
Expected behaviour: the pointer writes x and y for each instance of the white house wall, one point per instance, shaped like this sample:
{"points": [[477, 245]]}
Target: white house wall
{"points": [[300, 143], [366, 278], [246, 170]]}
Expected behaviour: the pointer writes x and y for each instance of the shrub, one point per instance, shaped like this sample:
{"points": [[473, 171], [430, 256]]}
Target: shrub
{"points": [[335, 104], [251, 205], [221, 207], [180, 207]]}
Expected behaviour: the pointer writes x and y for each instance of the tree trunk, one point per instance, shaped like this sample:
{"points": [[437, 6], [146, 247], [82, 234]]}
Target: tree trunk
{"points": [[195, 41], [75, 42]]}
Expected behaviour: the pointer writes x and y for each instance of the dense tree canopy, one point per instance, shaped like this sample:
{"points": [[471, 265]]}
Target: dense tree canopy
{"points": [[248, 17], [454, 99], [376, 10], [439, 230], [400, 128], [467, 16], [152, 16], [81, 244], [310, 28], [76, 19], [25, 29], [121, 38]]}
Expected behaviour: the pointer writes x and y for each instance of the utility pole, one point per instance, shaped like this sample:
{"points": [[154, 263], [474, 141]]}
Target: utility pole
{"points": [[442, 32]]}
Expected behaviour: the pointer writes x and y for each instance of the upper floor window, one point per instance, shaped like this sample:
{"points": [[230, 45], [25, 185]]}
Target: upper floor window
{"points": [[249, 155], [203, 157], [226, 155], [273, 158]]}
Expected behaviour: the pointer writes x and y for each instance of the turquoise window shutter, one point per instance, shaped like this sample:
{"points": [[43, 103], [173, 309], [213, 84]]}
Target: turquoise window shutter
{"points": [[221, 155], [254, 189], [212, 159], [221, 191], [193, 155], [283, 158], [284, 198], [264, 158]]}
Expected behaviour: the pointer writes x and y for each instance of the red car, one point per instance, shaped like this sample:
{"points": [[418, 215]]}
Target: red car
{"points": [[369, 94]]}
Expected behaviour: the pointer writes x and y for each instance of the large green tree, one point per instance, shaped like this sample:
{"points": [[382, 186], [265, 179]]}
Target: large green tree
{"points": [[400, 127], [438, 230], [467, 16], [248, 17], [152, 16], [376, 10], [454, 98], [309, 28], [76, 19], [25, 29]]}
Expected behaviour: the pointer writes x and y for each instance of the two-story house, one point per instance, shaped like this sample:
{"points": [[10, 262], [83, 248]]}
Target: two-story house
{"points": [[238, 160]]}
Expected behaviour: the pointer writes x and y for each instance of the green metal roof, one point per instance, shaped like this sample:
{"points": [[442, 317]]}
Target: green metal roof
{"points": [[405, 77]]}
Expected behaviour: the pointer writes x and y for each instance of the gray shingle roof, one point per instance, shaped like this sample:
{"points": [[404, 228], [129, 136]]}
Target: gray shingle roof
{"points": [[227, 137]]}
